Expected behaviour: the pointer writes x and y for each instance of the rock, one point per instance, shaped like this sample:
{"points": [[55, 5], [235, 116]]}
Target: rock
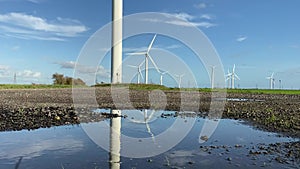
{"points": [[204, 138]]}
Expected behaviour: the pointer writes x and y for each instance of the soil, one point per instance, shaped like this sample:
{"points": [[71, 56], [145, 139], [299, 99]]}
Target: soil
{"points": [[36, 108], [20, 108]]}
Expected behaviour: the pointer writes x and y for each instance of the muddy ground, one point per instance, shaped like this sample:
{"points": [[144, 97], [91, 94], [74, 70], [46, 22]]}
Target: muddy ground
{"points": [[36, 108], [20, 109]]}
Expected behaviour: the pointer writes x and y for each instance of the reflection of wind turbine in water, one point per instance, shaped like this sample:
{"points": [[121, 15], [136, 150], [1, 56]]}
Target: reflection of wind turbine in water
{"points": [[115, 140], [180, 78], [140, 75], [146, 122], [147, 56]]}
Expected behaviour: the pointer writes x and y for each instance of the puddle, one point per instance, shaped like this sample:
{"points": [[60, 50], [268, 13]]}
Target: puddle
{"points": [[70, 147]]}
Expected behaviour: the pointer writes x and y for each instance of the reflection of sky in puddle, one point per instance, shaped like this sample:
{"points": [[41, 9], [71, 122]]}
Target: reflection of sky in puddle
{"points": [[69, 146]]}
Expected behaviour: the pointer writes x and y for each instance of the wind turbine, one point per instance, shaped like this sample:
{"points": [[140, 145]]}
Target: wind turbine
{"points": [[213, 76], [147, 56], [180, 78], [272, 81], [227, 78], [232, 76], [139, 71], [161, 76]]}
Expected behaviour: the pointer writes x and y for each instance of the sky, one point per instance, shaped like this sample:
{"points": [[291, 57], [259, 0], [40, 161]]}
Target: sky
{"points": [[41, 37]]}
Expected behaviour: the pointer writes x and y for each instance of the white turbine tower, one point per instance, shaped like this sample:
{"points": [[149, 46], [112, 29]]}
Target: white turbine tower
{"points": [[161, 76], [227, 78], [140, 75], [272, 81], [232, 76], [116, 53], [147, 56], [180, 78], [212, 76]]}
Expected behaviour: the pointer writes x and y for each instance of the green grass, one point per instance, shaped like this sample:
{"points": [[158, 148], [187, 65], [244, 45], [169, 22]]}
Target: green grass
{"points": [[263, 91], [30, 86], [153, 87], [159, 87]]}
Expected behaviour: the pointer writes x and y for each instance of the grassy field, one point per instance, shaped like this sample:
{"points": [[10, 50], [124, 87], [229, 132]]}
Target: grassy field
{"points": [[153, 87], [159, 87], [30, 86]]}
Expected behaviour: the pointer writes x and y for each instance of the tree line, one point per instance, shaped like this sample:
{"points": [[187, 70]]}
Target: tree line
{"points": [[60, 79]]}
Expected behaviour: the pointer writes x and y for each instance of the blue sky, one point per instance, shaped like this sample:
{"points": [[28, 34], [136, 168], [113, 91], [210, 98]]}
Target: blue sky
{"points": [[41, 37]]}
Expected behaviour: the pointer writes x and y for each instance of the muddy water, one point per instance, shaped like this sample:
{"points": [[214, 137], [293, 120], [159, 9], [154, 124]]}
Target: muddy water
{"points": [[70, 147]]}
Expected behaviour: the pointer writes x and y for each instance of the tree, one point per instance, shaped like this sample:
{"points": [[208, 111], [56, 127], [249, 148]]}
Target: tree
{"points": [[59, 79]]}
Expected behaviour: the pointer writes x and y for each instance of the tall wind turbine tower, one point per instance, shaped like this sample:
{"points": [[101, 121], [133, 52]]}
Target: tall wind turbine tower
{"points": [[180, 78], [212, 76], [15, 78], [117, 32]]}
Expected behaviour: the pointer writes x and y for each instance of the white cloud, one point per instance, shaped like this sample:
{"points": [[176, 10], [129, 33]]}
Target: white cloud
{"points": [[184, 16], [15, 48], [184, 19], [189, 24], [200, 5], [27, 26], [3, 67], [36, 1], [67, 65], [36, 147], [207, 16], [241, 38], [295, 46], [84, 69], [29, 74]]}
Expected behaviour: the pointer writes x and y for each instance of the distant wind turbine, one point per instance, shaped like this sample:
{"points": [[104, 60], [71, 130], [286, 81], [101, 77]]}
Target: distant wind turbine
{"points": [[213, 76], [140, 75], [15, 78], [147, 56], [180, 78], [272, 81], [161, 76], [232, 76]]}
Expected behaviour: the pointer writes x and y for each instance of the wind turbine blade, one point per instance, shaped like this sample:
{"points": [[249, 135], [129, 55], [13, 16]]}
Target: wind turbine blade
{"points": [[164, 72], [233, 69], [137, 53], [141, 74], [150, 46], [272, 75], [132, 66], [154, 63], [141, 63], [237, 76]]}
